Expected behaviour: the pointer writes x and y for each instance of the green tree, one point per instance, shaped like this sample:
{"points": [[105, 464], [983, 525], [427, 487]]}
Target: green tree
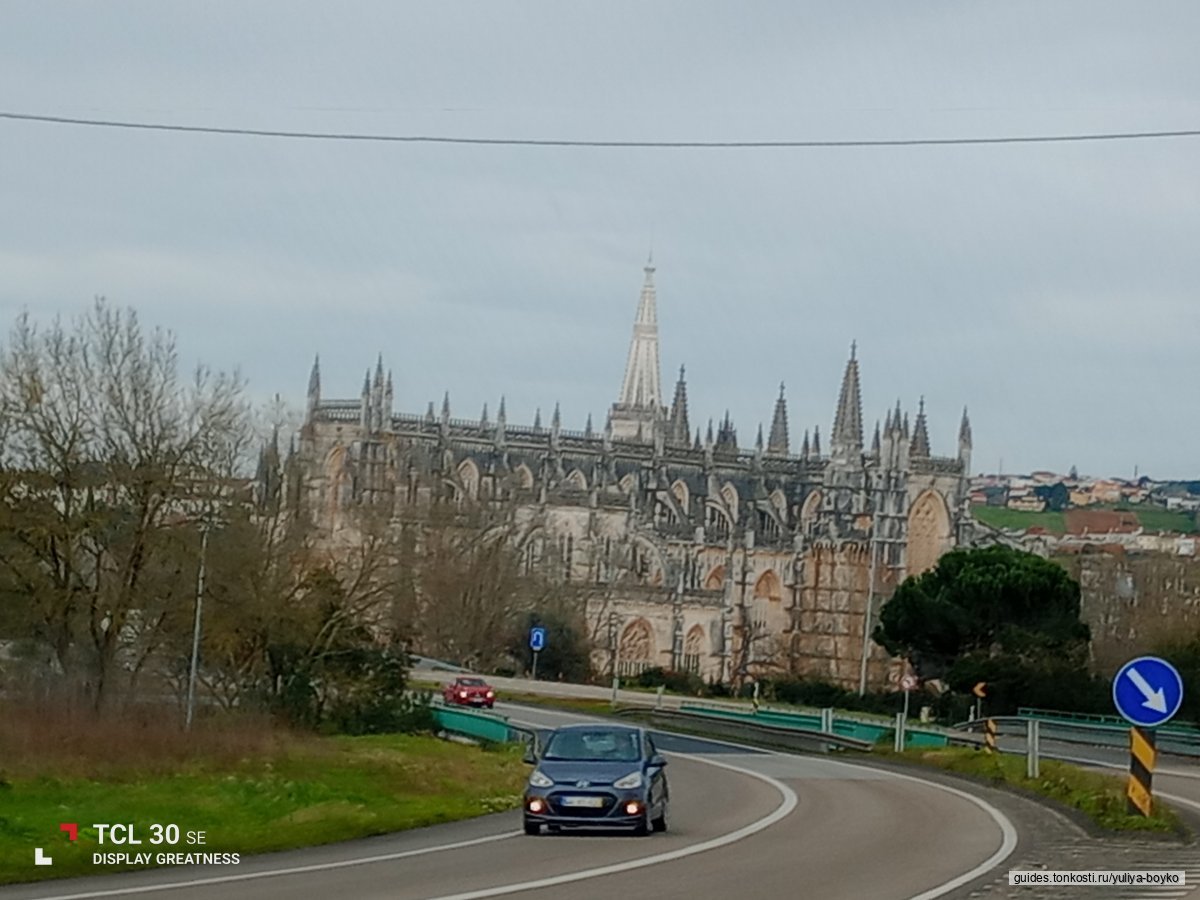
{"points": [[1184, 654], [993, 614], [566, 650]]}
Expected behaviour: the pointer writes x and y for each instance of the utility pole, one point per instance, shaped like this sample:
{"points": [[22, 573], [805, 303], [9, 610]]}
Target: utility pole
{"points": [[191, 690], [870, 610]]}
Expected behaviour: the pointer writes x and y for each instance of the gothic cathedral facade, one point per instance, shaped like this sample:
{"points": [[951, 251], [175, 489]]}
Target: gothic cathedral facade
{"points": [[696, 553]]}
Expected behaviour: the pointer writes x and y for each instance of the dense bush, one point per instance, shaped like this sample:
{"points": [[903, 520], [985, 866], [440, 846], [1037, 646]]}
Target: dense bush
{"points": [[677, 682]]}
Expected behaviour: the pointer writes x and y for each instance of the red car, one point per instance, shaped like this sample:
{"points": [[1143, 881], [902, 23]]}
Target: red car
{"points": [[469, 691]]}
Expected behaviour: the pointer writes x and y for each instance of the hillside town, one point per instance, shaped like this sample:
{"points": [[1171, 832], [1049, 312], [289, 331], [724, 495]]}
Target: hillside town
{"points": [[1065, 513]]}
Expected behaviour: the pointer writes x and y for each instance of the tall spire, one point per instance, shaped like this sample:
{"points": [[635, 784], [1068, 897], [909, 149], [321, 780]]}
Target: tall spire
{"points": [[314, 387], [680, 430], [847, 424], [804, 446], [778, 441], [640, 401], [920, 438], [964, 431], [816, 442], [314, 377], [875, 442]]}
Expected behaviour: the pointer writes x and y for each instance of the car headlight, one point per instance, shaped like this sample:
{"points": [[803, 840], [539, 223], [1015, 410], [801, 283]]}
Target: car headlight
{"points": [[632, 780], [537, 779]]}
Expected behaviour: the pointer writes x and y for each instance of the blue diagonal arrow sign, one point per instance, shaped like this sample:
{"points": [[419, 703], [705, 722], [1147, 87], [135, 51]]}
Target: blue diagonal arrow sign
{"points": [[1148, 691]]}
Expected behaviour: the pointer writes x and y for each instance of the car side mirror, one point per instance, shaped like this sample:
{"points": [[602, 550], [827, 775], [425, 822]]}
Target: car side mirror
{"points": [[657, 761]]}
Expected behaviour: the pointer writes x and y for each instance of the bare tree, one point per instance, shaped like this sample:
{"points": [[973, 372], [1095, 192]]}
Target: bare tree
{"points": [[107, 452]]}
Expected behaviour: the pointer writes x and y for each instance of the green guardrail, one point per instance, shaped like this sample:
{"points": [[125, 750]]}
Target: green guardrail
{"points": [[852, 728], [479, 725], [1101, 721]]}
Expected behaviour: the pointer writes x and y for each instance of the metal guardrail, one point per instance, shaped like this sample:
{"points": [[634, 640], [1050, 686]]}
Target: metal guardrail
{"points": [[728, 726], [1184, 729], [480, 726], [1090, 734], [862, 730]]}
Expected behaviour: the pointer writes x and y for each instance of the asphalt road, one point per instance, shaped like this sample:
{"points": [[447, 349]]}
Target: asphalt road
{"points": [[743, 823]]}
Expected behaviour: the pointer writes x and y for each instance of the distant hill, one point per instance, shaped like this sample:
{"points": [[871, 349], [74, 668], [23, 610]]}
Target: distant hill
{"points": [[1150, 518]]}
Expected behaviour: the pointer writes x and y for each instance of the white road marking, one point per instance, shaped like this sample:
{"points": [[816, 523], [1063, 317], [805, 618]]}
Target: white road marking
{"points": [[1008, 833], [784, 809], [1008, 844], [291, 870]]}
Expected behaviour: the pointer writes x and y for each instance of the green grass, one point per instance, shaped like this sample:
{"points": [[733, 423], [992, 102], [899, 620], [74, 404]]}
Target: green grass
{"points": [[1152, 518], [572, 704], [310, 791], [1099, 797], [1003, 517]]}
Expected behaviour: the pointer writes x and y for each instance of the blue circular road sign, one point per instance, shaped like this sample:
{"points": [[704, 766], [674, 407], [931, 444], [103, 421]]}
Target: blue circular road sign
{"points": [[537, 638], [1148, 691]]}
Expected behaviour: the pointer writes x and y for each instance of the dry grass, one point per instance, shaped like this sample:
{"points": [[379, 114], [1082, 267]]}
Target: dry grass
{"points": [[63, 741]]}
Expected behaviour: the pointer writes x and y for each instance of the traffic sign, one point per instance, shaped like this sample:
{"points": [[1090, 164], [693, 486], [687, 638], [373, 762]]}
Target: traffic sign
{"points": [[537, 639], [1148, 691], [980, 690], [908, 682]]}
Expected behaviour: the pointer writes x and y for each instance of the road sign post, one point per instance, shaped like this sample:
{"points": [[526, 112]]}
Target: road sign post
{"points": [[1142, 757], [537, 643], [989, 725], [1147, 691], [1033, 748]]}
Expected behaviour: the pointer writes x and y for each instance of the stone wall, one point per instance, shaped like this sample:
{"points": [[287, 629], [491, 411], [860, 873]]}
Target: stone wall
{"points": [[1133, 603]]}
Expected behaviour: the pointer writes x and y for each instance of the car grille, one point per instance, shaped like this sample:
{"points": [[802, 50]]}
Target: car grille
{"points": [[581, 812]]}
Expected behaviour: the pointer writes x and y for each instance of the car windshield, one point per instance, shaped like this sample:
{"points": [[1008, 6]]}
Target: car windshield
{"points": [[471, 682], [599, 745]]}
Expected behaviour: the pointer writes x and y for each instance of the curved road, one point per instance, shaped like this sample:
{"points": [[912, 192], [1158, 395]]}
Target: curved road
{"points": [[743, 823]]}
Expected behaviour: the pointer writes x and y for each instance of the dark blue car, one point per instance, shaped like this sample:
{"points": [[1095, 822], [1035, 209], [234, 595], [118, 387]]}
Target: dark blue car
{"points": [[598, 776]]}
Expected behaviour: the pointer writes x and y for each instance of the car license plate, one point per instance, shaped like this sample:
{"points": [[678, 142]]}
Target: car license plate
{"points": [[592, 802]]}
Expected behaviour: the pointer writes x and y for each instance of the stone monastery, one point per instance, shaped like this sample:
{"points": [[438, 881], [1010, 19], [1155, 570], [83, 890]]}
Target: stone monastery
{"points": [[696, 553]]}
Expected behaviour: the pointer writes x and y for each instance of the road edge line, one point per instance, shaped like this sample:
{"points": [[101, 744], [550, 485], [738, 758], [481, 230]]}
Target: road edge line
{"points": [[784, 809]]}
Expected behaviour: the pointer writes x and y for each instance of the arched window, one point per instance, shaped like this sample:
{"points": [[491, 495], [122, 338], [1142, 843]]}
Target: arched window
{"points": [[715, 580], [468, 476], [730, 495], [682, 495], [576, 481], [928, 532], [693, 649], [637, 651], [716, 522]]}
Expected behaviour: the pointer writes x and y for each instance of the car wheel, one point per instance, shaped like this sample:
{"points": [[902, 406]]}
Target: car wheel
{"points": [[660, 823], [532, 828], [643, 827]]}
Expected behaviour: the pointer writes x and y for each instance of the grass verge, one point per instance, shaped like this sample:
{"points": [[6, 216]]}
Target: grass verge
{"points": [[271, 794], [570, 704], [1098, 797]]}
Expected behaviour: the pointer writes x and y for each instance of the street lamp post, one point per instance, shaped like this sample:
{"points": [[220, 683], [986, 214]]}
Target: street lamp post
{"points": [[191, 689], [615, 626]]}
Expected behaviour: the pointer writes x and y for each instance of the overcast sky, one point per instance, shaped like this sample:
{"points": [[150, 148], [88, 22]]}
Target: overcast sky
{"points": [[1052, 288]]}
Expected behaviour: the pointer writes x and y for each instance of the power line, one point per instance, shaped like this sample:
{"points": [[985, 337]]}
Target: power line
{"points": [[557, 142]]}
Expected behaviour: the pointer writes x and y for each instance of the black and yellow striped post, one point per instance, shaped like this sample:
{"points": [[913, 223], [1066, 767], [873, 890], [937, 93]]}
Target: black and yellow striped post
{"points": [[1141, 770], [989, 735]]}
